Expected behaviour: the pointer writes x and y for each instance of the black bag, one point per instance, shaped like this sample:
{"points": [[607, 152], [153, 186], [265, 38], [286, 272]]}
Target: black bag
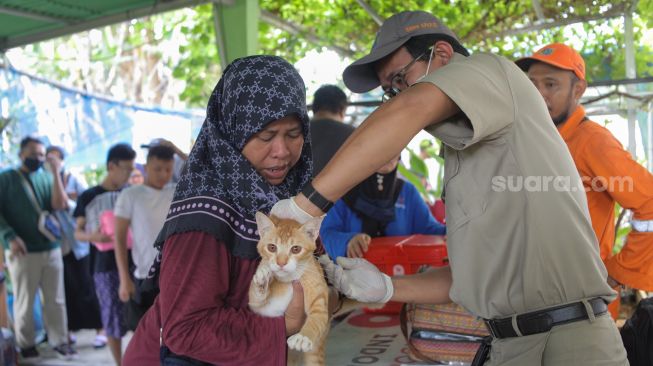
{"points": [[138, 304], [637, 334]]}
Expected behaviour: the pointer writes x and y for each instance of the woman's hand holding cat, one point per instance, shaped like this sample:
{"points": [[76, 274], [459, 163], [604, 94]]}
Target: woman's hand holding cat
{"points": [[357, 246], [295, 315], [358, 279]]}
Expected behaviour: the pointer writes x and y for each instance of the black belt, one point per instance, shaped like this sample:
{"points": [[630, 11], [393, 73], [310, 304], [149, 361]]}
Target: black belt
{"points": [[543, 320]]}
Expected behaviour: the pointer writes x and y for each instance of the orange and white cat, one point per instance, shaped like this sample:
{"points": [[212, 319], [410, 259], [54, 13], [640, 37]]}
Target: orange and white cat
{"points": [[286, 248]]}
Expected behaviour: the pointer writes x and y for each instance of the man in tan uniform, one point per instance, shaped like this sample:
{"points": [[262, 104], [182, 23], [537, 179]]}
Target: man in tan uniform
{"points": [[518, 225]]}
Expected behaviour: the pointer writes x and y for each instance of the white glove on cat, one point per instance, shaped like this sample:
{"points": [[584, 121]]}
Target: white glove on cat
{"points": [[358, 279], [288, 209]]}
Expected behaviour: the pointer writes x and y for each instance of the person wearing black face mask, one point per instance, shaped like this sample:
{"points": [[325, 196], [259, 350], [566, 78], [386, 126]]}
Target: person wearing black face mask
{"points": [[32, 164], [34, 261]]}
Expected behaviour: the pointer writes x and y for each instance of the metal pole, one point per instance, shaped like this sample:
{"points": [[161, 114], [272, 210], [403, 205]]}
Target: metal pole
{"points": [[370, 10], [538, 11], [631, 73], [219, 35]]}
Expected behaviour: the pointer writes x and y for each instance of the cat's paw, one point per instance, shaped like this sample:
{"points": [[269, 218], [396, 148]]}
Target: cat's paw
{"points": [[300, 343], [262, 279]]}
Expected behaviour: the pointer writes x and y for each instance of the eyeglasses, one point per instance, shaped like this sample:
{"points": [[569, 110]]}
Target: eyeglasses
{"points": [[398, 81]]}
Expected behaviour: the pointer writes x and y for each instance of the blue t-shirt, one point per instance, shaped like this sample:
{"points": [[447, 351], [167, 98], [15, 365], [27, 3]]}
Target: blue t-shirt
{"points": [[412, 216]]}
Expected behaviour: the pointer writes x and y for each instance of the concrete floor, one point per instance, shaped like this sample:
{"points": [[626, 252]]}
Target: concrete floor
{"points": [[87, 355]]}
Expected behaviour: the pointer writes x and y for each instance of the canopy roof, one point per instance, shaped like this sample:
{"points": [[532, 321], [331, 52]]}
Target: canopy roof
{"points": [[28, 21]]}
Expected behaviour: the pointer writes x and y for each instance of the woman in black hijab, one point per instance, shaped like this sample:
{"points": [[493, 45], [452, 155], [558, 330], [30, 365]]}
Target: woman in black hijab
{"points": [[252, 150]]}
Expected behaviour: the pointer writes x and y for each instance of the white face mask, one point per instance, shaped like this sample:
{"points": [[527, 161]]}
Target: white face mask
{"points": [[428, 66]]}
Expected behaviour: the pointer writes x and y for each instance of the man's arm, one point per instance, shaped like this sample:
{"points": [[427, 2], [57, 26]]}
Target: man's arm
{"points": [[383, 135], [429, 287], [59, 199], [10, 240], [628, 182], [631, 185], [122, 261], [174, 147], [361, 280], [82, 235]]}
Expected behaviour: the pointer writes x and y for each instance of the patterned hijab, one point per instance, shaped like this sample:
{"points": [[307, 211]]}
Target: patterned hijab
{"points": [[220, 191]]}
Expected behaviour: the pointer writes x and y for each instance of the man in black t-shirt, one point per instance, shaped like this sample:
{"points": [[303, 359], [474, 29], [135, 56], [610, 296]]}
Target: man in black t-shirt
{"points": [[94, 214], [328, 129]]}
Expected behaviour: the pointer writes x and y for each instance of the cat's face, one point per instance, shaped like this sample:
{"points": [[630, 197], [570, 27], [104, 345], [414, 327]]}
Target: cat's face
{"points": [[286, 245]]}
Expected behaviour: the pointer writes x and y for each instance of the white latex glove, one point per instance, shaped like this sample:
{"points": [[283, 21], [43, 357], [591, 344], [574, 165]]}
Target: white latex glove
{"points": [[358, 279], [288, 209]]}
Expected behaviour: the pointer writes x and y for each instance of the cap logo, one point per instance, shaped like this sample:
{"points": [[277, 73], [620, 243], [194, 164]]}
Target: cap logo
{"points": [[427, 25], [546, 51]]}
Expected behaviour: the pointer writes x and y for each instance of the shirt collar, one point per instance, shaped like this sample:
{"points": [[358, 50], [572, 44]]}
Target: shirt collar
{"points": [[568, 128]]}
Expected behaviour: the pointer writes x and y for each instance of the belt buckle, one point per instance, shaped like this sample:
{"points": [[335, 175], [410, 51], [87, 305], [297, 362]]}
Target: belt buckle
{"points": [[490, 328]]}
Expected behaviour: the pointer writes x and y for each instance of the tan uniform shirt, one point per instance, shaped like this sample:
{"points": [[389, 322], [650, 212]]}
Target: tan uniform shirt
{"points": [[518, 227]]}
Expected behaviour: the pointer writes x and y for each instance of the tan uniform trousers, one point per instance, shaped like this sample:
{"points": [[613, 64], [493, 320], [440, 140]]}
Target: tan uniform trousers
{"points": [[28, 273], [582, 343]]}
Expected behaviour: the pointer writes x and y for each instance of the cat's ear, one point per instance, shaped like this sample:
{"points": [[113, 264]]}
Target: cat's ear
{"points": [[264, 223], [312, 227]]}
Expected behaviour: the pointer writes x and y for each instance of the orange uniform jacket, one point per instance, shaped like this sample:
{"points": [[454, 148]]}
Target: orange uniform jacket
{"points": [[611, 175]]}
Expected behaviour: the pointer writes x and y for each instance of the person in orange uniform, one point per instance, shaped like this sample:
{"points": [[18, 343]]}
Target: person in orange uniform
{"points": [[610, 175]]}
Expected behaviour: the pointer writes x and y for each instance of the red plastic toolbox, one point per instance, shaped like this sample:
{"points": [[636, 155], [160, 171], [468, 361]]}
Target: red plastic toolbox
{"points": [[400, 255]]}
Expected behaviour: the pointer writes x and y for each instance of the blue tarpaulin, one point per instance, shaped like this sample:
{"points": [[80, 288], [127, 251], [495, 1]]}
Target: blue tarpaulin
{"points": [[85, 125]]}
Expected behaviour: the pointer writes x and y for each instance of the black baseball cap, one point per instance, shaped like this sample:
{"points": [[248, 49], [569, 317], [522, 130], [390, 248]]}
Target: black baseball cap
{"points": [[360, 76]]}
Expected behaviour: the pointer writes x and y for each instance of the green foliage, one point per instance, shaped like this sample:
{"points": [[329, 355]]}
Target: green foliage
{"points": [[645, 8], [199, 63], [10, 135], [418, 172], [622, 231], [417, 165], [130, 60], [94, 175], [414, 179], [345, 25], [112, 63], [8, 142]]}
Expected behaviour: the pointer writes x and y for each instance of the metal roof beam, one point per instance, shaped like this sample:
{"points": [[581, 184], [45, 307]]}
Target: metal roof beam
{"points": [[33, 16], [158, 7], [648, 79], [377, 18], [613, 13]]}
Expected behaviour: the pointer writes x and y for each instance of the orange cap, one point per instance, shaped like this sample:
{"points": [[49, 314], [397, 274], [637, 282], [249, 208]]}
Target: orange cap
{"points": [[558, 55]]}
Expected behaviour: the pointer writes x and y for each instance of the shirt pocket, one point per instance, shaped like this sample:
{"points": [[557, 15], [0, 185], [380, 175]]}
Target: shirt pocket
{"points": [[457, 216], [468, 183]]}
